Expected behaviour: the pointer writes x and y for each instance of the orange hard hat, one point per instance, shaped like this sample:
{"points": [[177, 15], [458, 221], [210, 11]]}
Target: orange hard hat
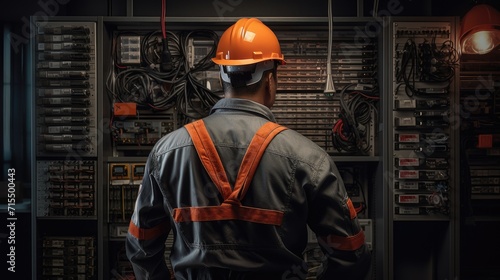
{"points": [[248, 41]]}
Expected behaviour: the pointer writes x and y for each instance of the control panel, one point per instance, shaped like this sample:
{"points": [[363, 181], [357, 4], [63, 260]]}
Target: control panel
{"points": [[341, 122], [65, 87], [69, 257], [424, 60], [66, 188], [124, 182]]}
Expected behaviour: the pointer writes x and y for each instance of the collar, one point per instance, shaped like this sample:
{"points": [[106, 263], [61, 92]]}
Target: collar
{"points": [[239, 104]]}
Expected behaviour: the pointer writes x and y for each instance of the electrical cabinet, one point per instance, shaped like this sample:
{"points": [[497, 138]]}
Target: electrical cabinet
{"points": [[479, 165], [422, 155], [140, 115], [103, 97], [66, 149]]}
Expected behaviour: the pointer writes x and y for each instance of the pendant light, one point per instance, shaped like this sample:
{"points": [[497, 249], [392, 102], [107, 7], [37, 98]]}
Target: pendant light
{"points": [[480, 30]]}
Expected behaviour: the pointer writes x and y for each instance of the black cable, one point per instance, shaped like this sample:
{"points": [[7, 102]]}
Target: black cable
{"points": [[195, 95], [358, 184], [152, 49], [150, 88], [351, 132], [145, 87]]}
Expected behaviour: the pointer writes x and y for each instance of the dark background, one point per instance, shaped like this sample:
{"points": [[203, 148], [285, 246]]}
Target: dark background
{"points": [[13, 11]]}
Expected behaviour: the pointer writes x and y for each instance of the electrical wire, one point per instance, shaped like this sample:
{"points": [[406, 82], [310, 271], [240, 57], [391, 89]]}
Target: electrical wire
{"points": [[426, 63], [329, 86], [358, 184], [155, 90], [375, 8], [351, 131], [181, 87], [152, 47], [193, 91], [408, 68], [162, 20]]}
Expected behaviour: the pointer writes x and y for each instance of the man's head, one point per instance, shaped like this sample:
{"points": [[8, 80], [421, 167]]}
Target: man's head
{"points": [[248, 54]]}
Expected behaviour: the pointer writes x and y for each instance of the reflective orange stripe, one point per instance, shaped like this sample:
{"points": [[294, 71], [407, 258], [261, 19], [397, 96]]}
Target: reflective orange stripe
{"points": [[348, 243], [231, 208], [228, 212], [148, 233], [352, 210]]}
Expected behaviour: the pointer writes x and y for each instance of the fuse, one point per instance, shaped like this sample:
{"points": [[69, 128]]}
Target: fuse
{"points": [[65, 83], [64, 138], [432, 113], [408, 137], [63, 30], [62, 92], [63, 65], [67, 129], [63, 38], [66, 111], [63, 74], [63, 46], [63, 56], [439, 186], [66, 120], [65, 101], [66, 147], [433, 103]]}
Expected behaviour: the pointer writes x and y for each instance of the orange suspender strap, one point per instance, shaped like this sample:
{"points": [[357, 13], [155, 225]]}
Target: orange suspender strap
{"points": [[252, 157], [209, 156], [231, 208]]}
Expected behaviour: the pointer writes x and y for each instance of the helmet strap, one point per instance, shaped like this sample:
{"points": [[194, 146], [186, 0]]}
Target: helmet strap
{"points": [[245, 75]]}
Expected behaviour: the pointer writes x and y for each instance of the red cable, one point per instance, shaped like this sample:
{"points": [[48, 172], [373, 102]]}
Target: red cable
{"points": [[162, 20], [360, 208], [339, 129]]}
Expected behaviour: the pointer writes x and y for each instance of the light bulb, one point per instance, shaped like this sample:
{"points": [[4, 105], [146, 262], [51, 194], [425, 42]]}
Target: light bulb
{"points": [[482, 42]]}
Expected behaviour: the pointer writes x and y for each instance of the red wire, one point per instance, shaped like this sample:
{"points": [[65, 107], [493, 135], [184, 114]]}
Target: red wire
{"points": [[360, 208], [339, 125], [341, 132], [162, 20]]}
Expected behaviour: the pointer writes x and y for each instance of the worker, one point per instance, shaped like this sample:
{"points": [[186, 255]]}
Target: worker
{"points": [[237, 190]]}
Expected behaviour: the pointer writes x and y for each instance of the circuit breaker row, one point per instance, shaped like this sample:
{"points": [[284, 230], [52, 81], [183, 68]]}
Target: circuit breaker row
{"points": [[306, 52], [69, 258], [301, 103], [124, 182], [311, 114], [480, 143], [144, 112], [66, 188], [424, 65], [136, 134], [66, 89]]}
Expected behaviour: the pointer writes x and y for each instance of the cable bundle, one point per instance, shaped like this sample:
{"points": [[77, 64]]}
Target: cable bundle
{"points": [[351, 132], [164, 79], [153, 88], [425, 63]]}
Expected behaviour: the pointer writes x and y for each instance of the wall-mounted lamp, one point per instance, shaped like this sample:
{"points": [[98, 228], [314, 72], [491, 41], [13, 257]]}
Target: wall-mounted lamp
{"points": [[480, 32]]}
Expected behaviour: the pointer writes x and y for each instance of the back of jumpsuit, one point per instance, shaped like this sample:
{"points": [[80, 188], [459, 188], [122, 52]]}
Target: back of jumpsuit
{"points": [[295, 184]]}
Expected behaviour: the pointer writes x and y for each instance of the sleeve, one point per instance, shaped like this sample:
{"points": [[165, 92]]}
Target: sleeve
{"points": [[333, 219], [148, 230]]}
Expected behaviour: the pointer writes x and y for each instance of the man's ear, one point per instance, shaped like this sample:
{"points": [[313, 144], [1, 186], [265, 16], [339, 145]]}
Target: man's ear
{"points": [[270, 81], [270, 90]]}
